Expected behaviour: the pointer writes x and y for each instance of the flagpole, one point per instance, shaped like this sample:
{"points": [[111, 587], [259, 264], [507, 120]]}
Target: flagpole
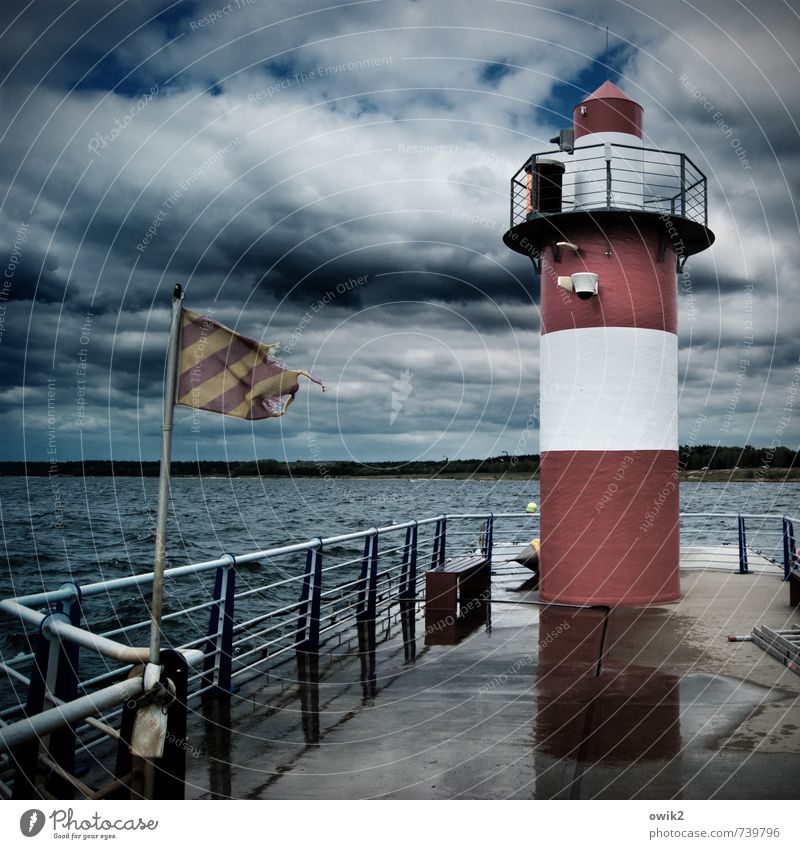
{"points": [[170, 383], [152, 671]]}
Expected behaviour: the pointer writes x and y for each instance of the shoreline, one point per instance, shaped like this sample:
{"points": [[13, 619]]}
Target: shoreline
{"points": [[712, 476]]}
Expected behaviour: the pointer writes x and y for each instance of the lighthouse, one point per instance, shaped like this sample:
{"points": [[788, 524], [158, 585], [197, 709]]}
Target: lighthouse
{"points": [[608, 222]]}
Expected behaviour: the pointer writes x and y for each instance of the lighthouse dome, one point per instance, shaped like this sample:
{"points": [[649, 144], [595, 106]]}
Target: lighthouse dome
{"points": [[608, 110]]}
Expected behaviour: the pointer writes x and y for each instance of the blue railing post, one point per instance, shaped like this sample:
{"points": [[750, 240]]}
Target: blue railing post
{"points": [[408, 592], [218, 662], [789, 554], [743, 570], [307, 634], [489, 538], [368, 582], [367, 613], [372, 591], [439, 543], [488, 555], [408, 568], [316, 600]]}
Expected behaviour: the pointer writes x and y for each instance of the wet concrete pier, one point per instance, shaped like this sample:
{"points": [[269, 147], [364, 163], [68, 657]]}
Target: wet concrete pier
{"points": [[550, 702]]}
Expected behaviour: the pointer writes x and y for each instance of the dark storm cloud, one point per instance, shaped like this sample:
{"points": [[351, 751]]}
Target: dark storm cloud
{"points": [[265, 155]]}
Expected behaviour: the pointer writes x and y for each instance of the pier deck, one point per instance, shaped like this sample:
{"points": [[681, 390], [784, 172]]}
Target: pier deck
{"points": [[553, 702]]}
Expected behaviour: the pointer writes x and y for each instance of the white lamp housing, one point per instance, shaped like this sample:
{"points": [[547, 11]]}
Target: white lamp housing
{"points": [[585, 284]]}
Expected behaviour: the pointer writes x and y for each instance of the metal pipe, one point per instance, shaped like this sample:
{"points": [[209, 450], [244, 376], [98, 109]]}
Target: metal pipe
{"points": [[146, 577], [71, 633], [15, 673], [106, 647], [105, 676], [290, 608], [34, 727], [271, 552], [100, 726], [247, 668], [326, 542]]}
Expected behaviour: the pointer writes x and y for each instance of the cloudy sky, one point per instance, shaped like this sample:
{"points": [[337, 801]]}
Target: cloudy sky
{"points": [[265, 153]]}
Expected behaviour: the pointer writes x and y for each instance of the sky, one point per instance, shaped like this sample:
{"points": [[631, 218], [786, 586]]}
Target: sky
{"points": [[334, 177]]}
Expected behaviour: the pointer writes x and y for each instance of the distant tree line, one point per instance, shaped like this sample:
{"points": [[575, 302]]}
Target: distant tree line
{"points": [[731, 457], [694, 457]]}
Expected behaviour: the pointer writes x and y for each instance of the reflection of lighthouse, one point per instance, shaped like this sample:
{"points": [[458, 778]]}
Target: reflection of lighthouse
{"points": [[607, 221], [602, 724]]}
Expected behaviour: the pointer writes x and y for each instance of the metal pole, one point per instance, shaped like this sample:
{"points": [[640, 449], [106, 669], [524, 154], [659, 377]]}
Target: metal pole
{"points": [[170, 383], [152, 671]]}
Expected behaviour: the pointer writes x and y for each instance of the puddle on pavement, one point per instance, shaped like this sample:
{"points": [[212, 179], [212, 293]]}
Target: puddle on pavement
{"points": [[600, 722]]}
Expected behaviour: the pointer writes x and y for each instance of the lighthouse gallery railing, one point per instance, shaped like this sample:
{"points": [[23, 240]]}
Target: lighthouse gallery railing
{"points": [[615, 177]]}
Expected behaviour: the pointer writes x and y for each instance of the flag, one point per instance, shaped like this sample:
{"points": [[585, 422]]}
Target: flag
{"points": [[224, 372]]}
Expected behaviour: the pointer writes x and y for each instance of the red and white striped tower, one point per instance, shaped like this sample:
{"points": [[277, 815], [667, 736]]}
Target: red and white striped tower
{"points": [[607, 223]]}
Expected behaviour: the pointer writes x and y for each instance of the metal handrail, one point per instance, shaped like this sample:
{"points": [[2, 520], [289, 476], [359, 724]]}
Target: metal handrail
{"points": [[20, 606], [56, 627], [271, 636]]}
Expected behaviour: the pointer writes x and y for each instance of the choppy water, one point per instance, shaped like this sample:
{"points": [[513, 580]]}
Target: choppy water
{"points": [[82, 530]]}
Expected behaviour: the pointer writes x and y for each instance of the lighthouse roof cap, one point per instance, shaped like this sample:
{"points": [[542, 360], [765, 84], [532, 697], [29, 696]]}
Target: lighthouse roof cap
{"points": [[608, 110], [608, 91]]}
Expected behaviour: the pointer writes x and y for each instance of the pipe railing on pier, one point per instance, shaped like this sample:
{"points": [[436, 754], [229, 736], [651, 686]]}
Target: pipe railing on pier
{"points": [[239, 616]]}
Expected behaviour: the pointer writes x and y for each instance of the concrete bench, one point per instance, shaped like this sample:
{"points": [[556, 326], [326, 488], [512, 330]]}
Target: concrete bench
{"points": [[456, 598]]}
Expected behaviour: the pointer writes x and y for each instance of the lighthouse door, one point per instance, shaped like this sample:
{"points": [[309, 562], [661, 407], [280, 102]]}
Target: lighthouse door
{"points": [[549, 174]]}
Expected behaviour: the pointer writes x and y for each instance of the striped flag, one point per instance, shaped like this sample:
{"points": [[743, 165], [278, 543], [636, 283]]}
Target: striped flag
{"points": [[224, 372]]}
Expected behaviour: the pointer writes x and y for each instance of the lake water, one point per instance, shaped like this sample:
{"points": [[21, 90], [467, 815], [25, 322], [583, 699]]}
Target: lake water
{"points": [[75, 529]]}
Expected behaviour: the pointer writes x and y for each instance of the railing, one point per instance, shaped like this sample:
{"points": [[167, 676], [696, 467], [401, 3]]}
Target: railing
{"points": [[611, 177], [766, 534], [228, 620], [239, 616]]}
